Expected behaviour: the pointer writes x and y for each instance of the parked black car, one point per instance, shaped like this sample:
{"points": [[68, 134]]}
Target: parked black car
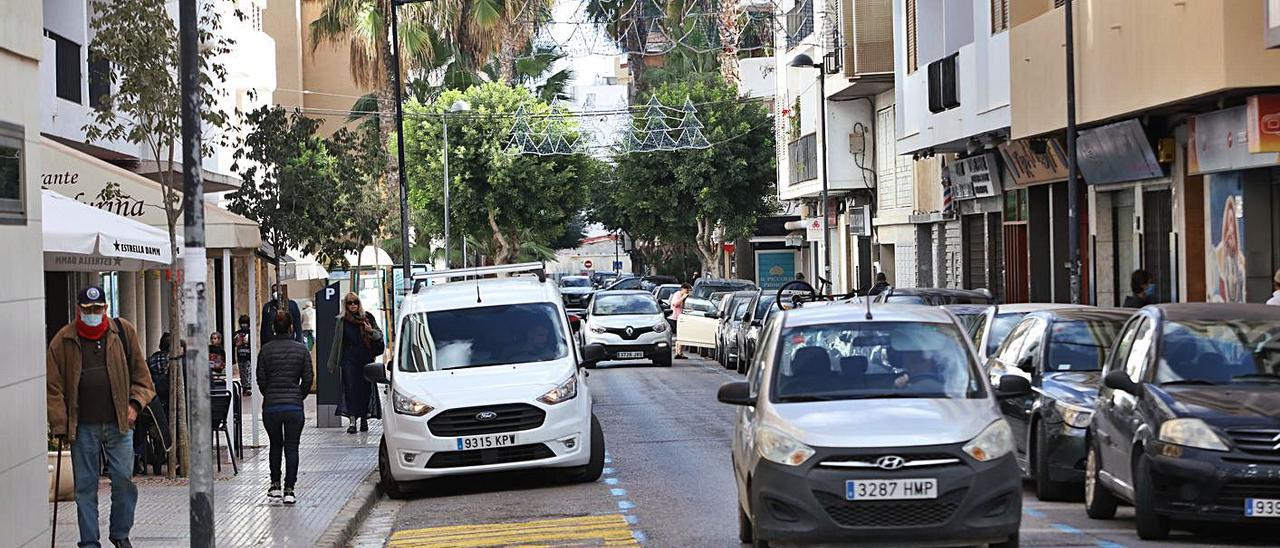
{"points": [[934, 296], [752, 322], [1187, 424], [1048, 371], [731, 312], [576, 292]]}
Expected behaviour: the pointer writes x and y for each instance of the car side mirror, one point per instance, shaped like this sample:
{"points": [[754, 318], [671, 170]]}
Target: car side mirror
{"points": [[376, 373], [1026, 364], [735, 393], [757, 323], [593, 354], [1119, 380], [1012, 386], [713, 315]]}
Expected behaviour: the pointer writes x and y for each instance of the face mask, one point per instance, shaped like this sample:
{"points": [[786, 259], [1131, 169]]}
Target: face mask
{"points": [[275, 295], [91, 320], [1151, 290]]}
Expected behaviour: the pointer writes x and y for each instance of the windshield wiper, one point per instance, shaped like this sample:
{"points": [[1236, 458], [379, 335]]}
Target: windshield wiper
{"points": [[1257, 377], [1199, 382]]}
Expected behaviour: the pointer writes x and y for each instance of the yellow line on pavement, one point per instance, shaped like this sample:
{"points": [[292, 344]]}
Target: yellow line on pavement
{"points": [[605, 530]]}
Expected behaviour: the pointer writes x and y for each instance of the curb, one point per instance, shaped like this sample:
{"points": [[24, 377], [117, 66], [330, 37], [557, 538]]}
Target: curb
{"points": [[344, 525]]}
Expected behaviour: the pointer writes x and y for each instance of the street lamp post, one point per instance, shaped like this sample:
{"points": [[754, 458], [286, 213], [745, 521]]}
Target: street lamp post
{"points": [[804, 61], [404, 183], [457, 106]]}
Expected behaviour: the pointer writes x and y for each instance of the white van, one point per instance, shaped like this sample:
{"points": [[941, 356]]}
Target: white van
{"points": [[485, 377]]}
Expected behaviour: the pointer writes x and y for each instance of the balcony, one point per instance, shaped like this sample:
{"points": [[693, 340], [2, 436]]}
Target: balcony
{"points": [[799, 23], [803, 154]]}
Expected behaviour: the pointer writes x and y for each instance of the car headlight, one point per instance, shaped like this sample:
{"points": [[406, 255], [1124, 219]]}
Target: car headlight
{"points": [[565, 392], [597, 329], [1074, 415], [660, 327], [1191, 433], [408, 405], [994, 442], [776, 446]]}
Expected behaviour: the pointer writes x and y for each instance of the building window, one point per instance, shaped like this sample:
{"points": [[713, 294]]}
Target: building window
{"points": [[12, 204], [1015, 206], [1059, 3], [912, 27], [66, 62], [999, 16], [99, 80]]}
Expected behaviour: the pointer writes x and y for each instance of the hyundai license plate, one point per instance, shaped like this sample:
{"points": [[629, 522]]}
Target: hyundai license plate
{"points": [[1262, 508], [896, 489], [486, 442], [630, 355]]}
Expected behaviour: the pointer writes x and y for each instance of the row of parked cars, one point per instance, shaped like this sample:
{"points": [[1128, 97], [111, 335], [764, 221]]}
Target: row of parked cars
{"points": [[901, 423]]}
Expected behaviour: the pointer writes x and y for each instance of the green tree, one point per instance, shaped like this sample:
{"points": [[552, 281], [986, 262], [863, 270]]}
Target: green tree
{"points": [[495, 195], [140, 40], [363, 204]]}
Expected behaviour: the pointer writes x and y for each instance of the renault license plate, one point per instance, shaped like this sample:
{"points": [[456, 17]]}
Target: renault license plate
{"points": [[895, 489], [630, 355], [1262, 508], [486, 442]]}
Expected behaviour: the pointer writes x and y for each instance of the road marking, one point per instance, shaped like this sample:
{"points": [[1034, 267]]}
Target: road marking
{"points": [[625, 505], [618, 492], [1109, 544], [1033, 513], [605, 530], [1067, 528], [611, 481]]}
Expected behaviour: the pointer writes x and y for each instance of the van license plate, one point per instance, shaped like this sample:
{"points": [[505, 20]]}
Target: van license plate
{"points": [[897, 489], [630, 355], [486, 442], [1262, 508]]}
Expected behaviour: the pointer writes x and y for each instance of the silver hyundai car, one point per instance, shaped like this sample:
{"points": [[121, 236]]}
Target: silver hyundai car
{"points": [[871, 425]]}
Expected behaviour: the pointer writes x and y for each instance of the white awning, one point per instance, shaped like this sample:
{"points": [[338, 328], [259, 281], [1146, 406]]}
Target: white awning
{"points": [[306, 268], [86, 179], [83, 238]]}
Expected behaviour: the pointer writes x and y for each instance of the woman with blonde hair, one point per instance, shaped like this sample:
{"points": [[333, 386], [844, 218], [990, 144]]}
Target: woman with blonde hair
{"points": [[357, 341]]}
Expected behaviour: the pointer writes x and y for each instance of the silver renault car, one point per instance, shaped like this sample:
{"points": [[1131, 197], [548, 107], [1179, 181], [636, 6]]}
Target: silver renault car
{"points": [[629, 325], [872, 425]]}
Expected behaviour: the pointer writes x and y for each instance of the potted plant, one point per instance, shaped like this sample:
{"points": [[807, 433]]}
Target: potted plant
{"points": [[65, 488]]}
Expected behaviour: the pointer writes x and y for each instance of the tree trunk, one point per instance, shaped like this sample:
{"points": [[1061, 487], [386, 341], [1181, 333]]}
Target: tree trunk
{"points": [[729, 35], [707, 248], [387, 127], [505, 246]]}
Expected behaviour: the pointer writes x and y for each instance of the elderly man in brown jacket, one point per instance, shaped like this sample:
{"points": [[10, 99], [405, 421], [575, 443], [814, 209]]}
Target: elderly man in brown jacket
{"points": [[98, 382]]}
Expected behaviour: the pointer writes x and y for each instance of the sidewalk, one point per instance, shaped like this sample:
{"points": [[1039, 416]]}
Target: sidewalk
{"points": [[333, 467]]}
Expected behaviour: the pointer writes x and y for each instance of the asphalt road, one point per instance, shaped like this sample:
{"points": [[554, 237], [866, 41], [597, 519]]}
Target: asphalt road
{"points": [[668, 483]]}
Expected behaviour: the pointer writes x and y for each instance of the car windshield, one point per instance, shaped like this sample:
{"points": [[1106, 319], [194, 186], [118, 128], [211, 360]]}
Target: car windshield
{"points": [[740, 309], [1081, 345], [1000, 328], [665, 293], [763, 305], [621, 305], [867, 360], [575, 282], [704, 291], [1220, 352], [477, 337], [968, 321]]}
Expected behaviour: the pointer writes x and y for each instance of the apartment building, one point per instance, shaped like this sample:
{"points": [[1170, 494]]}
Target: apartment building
{"points": [[938, 135], [24, 510], [852, 40], [1181, 174]]}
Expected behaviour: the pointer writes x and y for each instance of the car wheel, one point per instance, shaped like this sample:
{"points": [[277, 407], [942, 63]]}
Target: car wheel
{"points": [[731, 362], [594, 469], [1099, 503], [746, 534], [386, 481], [1150, 525], [1047, 489], [1011, 542]]}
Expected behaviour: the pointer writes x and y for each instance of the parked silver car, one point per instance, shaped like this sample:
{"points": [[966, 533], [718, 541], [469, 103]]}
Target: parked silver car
{"points": [[871, 427], [630, 326]]}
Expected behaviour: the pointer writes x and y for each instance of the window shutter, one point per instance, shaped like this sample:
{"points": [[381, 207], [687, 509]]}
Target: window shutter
{"points": [[999, 16], [912, 62]]}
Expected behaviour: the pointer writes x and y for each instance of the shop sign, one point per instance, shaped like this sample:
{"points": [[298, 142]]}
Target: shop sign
{"points": [[775, 268], [1116, 153], [1222, 143], [107, 198], [860, 221], [1035, 161], [1273, 24], [813, 229], [1263, 116], [974, 177]]}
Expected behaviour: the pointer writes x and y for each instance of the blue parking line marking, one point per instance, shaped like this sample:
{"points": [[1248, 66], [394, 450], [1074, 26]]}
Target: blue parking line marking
{"points": [[1033, 513], [607, 471], [631, 520], [618, 492], [611, 481], [608, 459], [626, 505], [639, 536], [1066, 528], [1109, 544]]}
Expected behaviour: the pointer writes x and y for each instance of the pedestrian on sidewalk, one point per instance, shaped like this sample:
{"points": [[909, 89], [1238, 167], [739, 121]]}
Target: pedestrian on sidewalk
{"points": [[243, 353], [1143, 285], [284, 380], [217, 362], [1275, 285], [97, 384], [356, 342], [309, 324], [881, 285], [677, 308], [280, 301]]}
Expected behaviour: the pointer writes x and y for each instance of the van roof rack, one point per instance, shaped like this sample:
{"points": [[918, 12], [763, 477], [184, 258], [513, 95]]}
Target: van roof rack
{"points": [[537, 269]]}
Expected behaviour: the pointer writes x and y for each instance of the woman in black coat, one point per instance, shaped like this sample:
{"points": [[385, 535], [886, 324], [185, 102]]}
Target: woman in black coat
{"points": [[357, 341], [284, 380]]}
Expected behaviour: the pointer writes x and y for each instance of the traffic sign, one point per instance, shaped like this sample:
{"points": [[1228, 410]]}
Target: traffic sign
{"points": [[617, 265], [586, 264]]}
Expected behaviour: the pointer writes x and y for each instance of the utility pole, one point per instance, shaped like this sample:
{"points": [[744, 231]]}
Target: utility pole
{"points": [[194, 281], [1073, 184], [404, 183]]}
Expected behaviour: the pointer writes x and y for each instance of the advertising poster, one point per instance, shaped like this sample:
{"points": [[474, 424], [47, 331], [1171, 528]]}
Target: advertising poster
{"points": [[775, 268], [1225, 279]]}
